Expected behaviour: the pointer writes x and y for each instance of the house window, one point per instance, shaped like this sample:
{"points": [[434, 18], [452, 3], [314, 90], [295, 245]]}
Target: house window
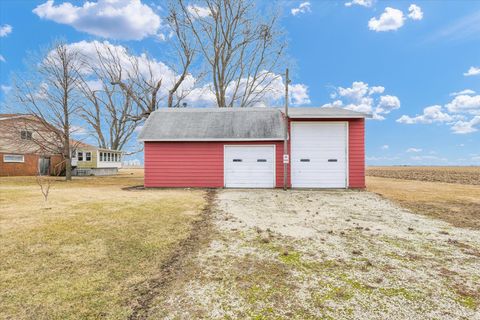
{"points": [[116, 157], [108, 159], [88, 156], [101, 156], [80, 156], [26, 135], [13, 158], [104, 156]]}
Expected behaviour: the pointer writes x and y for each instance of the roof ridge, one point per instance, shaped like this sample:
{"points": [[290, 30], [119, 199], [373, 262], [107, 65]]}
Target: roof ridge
{"points": [[216, 109]]}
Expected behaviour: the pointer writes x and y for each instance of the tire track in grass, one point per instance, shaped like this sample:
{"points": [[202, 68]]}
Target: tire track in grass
{"points": [[173, 267]]}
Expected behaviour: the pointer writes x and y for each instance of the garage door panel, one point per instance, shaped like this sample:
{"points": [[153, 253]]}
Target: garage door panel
{"points": [[249, 166], [318, 154]]}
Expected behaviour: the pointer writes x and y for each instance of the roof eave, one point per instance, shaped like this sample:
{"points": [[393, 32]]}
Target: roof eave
{"points": [[361, 116], [211, 139]]}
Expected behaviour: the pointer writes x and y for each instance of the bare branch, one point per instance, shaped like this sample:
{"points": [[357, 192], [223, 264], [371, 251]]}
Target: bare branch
{"points": [[51, 96]]}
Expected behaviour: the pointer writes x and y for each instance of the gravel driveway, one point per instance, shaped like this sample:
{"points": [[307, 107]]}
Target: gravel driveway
{"points": [[325, 254]]}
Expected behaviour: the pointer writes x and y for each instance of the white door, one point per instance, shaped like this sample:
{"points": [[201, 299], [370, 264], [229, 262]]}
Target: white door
{"points": [[249, 166], [319, 154]]}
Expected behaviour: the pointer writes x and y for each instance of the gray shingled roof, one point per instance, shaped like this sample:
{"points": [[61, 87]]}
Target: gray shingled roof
{"points": [[229, 124], [324, 112], [210, 124]]}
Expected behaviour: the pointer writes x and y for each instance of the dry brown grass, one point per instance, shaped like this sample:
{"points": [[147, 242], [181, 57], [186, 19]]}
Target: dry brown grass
{"points": [[90, 249], [461, 175], [458, 204]]}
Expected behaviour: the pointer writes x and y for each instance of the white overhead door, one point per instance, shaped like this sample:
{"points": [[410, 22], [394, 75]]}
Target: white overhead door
{"points": [[249, 166], [319, 154]]}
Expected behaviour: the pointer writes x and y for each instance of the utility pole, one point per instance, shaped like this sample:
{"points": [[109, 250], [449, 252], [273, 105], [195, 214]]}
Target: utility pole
{"points": [[286, 159]]}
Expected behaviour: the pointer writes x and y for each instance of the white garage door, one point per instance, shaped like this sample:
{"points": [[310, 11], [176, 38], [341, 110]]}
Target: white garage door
{"points": [[249, 166], [319, 154]]}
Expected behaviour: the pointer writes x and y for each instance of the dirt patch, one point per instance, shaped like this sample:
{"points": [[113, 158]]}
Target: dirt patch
{"points": [[460, 175], [458, 204], [324, 254], [134, 188], [170, 270]]}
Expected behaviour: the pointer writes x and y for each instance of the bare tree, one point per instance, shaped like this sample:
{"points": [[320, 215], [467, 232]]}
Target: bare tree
{"points": [[142, 86], [241, 48], [108, 110], [45, 183], [108, 114], [139, 81], [51, 96], [185, 51]]}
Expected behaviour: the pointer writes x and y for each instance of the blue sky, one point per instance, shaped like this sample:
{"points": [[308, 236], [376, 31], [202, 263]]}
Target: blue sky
{"points": [[408, 62]]}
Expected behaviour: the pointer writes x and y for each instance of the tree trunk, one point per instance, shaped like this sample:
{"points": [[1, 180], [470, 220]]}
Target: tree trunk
{"points": [[68, 169], [170, 99], [68, 160]]}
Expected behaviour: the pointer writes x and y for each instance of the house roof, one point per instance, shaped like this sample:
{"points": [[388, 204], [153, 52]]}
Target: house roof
{"points": [[8, 116], [12, 144], [80, 144], [324, 113], [213, 124]]}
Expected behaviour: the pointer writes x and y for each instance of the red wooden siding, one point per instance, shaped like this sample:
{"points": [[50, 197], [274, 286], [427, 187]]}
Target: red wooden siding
{"points": [[195, 164], [356, 153], [200, 164]]}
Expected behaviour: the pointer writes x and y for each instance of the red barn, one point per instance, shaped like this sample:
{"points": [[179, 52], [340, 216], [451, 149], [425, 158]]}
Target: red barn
{"points": [[243, 148]]}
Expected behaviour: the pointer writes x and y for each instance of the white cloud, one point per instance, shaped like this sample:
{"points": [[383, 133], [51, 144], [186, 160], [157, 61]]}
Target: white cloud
{"points": [[334, 104], [299, 94], [385, 147], [387, 104], [78, 130], [198, 11], [457, 118], [409, 150], [430, 114], [5, 89], [304, 7], [94, 85], [363, 3], [415, 12], [473, 71], [463, 92], [362, 98], [5, 30], [377, 89], [465, 104], [391, 19], [463, 127], [116, 19], [357, 92], [2, 59]]}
